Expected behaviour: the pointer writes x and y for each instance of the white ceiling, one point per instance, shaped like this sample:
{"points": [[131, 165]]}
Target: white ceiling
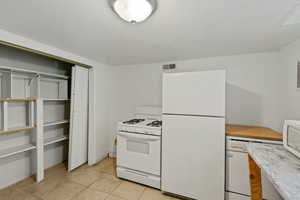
{"points": [[180, 29]]}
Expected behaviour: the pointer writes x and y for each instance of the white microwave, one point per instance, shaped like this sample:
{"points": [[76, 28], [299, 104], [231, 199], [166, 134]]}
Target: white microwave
{"points": [[291, 136]]}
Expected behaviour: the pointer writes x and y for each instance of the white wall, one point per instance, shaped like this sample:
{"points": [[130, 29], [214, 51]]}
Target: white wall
{"points": [[254, 88], [290, 55], [102, 88]]}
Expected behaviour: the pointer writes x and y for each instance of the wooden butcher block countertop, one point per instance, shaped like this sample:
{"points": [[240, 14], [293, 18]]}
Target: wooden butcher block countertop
{"points": [[256, 132]]}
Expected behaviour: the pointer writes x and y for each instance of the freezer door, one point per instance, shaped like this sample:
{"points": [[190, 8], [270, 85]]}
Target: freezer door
{"points": [[193, 156], [194, 93]]}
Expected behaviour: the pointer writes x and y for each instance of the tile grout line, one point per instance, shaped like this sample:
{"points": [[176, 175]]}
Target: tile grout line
{"points": [[77, 193], [142, 194], [86, 187], [108, 172]]}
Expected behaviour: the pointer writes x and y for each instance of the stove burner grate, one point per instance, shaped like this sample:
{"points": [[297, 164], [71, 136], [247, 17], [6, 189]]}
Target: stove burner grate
{"points": [[155, 124], [134, 121]]}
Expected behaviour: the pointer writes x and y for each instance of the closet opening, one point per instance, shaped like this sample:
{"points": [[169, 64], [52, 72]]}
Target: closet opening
{"points": [[44, 112]]}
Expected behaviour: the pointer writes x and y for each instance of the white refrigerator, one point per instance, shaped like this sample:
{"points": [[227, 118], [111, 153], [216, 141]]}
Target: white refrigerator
{"points": [[193, 134]]}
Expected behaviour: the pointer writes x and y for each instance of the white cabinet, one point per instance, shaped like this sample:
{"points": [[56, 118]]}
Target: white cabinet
{"points": [[237, 179]]}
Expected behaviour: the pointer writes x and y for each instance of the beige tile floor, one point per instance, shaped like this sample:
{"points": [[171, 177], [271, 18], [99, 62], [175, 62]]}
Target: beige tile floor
{"points": [[98, 182]]}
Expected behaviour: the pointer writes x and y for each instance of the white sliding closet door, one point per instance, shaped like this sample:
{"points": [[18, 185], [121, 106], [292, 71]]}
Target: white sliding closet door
{"points": [[78, 139]]}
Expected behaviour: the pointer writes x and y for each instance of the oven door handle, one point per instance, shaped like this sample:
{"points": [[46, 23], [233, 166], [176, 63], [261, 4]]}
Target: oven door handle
{"points": [[139, 136]]}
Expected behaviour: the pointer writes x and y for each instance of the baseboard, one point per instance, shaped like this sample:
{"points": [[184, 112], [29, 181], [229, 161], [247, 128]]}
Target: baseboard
{"points": [[100, 158], [112, 154]]}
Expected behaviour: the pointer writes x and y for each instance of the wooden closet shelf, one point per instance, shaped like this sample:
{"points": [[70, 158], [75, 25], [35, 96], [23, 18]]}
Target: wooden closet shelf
{"points": [[16, 130], [17, 99]]}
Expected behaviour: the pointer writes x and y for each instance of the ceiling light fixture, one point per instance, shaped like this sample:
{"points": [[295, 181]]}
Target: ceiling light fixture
{"points": [[133, 11]]}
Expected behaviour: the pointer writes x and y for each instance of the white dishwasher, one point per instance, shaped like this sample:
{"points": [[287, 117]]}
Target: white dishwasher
{"points": [[237, 172]]}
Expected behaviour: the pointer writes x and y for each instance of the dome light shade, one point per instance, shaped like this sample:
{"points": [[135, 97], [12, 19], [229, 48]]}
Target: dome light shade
{"points": [[133, 11]]}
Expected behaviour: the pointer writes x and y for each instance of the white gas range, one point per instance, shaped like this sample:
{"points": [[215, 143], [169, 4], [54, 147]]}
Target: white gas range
{"points": [[139, 147]]}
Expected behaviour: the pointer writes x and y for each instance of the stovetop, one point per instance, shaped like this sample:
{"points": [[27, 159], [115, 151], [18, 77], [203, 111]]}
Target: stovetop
{"points": [[143, 122], [156, 123], [141, 125]]}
